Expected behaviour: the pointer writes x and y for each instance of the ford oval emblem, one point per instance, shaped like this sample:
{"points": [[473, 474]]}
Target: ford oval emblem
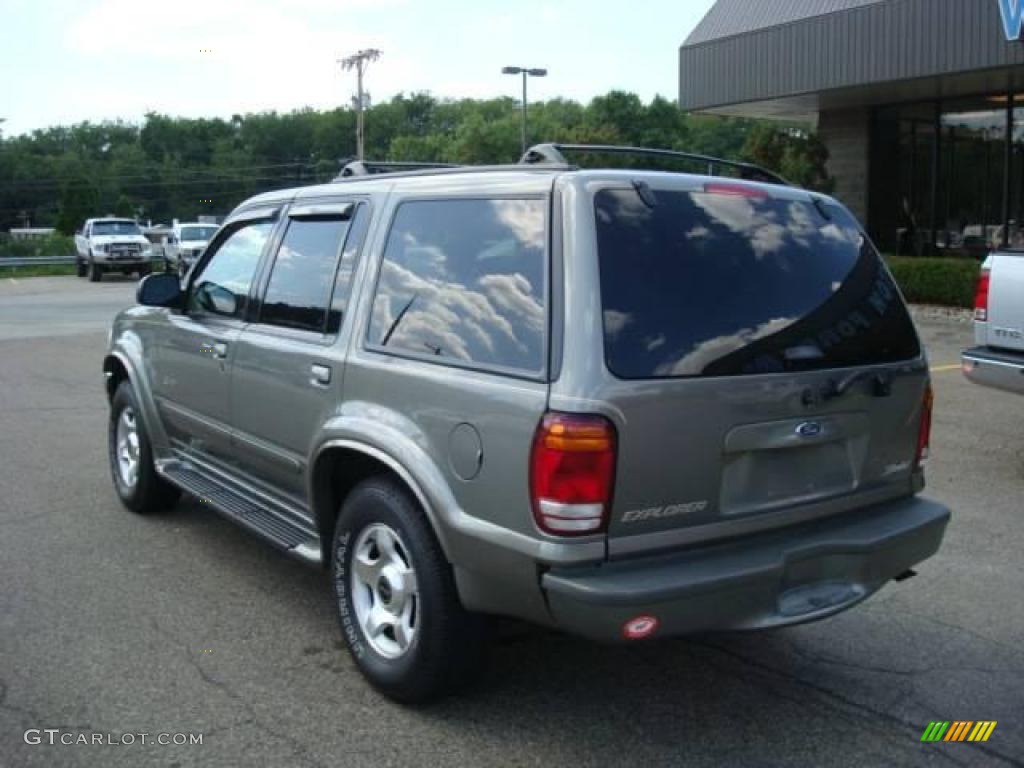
{"points": [[809, 429]]}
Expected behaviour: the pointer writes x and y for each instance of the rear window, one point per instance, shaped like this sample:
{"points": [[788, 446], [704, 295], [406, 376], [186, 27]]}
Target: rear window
{"points": [[727, 284]]}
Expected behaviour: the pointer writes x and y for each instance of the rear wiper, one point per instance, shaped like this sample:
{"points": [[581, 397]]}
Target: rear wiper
{"points": [[398, 319], [645, 193]]}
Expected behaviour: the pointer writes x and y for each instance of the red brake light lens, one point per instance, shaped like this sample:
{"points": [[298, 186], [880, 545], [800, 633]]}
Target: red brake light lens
{"points": [[981, 296], [924, 436], [735, 190], [572, 471]]}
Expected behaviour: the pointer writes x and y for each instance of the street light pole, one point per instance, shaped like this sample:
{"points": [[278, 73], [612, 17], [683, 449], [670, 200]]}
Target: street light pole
{"points": [[358, 62], [525, 72]]}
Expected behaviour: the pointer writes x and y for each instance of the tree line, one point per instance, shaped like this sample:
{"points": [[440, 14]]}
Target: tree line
{"points": [[171, 167]]}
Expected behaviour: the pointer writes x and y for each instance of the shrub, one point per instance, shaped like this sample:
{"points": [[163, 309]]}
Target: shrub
{"points": [[51, 245], [949, 282]]}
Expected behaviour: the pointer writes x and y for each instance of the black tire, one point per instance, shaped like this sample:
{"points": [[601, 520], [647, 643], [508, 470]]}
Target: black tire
{"points": [[448, 646], [150, 493], [79, 267], [95, 272]]}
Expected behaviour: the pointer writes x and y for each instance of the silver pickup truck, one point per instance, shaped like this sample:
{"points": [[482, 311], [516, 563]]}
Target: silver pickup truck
{"points": [[998, 359]]}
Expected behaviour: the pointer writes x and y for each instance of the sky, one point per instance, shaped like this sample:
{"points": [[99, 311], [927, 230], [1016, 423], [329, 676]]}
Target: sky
{"points": [[64, 61]]}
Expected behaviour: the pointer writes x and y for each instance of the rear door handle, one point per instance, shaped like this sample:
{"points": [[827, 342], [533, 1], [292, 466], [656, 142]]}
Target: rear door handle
{"points": [[220, 350], [321, 374]]}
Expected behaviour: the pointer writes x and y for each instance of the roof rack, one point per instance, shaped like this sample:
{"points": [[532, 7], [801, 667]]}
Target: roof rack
{"points": [[373, 167], [543, 154]]}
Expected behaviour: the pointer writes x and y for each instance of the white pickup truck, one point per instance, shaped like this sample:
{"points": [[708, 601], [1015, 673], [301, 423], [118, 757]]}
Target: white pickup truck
{"points": [[112, 245], [998, 359], [186, 244]]}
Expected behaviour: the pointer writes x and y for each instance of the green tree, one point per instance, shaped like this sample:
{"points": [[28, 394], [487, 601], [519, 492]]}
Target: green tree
{"points": [[794, 153]]}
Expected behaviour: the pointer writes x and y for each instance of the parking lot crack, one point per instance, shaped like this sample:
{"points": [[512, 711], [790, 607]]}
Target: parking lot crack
{"points": [[243, 703], [845, 705]]}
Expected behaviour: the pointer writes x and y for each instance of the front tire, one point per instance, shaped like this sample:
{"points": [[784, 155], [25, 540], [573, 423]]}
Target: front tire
{"points": [[95, 271], [397, 602], [136, 481]]}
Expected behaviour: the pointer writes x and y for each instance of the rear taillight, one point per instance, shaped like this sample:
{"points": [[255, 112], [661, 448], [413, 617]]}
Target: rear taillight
{"points": [[924, 435], [572, 470], [981, 296]]}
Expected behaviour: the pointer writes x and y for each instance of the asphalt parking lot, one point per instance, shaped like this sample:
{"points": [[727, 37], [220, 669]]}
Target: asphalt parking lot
{"points": [[120, 624]]}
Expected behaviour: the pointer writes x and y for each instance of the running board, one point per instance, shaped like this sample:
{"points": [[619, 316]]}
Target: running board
{"points": [[290, 535]]}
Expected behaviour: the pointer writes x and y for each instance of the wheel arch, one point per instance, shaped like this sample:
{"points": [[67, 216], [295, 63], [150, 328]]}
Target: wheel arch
{"points": [[340, 465], [118, 366], [115, 370]]}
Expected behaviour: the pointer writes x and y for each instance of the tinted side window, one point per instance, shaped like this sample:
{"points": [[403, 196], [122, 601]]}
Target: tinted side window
{"points": [[300, 281], [465, 280], [346, 269], [737, 283], [222, 288]]}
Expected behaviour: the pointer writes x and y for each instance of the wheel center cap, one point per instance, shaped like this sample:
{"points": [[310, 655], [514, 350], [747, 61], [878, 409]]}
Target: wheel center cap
{"points": [[385, 590]]}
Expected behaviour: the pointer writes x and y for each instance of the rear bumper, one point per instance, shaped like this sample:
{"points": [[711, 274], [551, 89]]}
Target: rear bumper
{"points": [[786, 577], [995, 368]]}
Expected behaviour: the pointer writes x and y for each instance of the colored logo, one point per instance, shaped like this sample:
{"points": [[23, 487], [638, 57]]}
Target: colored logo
{"points": [[809, 429], [959, 730], [1013, 18]]}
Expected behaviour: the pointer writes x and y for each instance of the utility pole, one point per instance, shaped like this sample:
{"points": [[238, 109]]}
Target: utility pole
{"points": [[358, 62]]}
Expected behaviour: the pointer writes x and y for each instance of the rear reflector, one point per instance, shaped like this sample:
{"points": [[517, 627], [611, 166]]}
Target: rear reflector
{"points": [[640, 628], [924, 435], [981, 296], [735, 190], [572, 469]]}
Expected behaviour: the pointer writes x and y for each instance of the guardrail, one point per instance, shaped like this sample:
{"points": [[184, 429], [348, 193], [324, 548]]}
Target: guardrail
{"points": [[33, 261]]}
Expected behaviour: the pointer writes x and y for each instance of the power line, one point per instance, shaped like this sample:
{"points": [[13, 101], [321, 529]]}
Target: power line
{"points": [[53, 180], [157, 183]]}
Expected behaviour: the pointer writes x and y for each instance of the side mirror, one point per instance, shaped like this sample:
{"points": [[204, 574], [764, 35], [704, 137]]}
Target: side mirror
{"points": [[160, 290]]}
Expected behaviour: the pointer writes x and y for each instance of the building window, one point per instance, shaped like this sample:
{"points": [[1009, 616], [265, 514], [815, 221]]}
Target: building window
{"points": [[972, 170], [1016, 207], [940, 177]]}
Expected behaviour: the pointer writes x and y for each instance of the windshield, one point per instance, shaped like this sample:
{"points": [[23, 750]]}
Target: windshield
{"points": [[736, 282], [198, 233], [115, 228]]}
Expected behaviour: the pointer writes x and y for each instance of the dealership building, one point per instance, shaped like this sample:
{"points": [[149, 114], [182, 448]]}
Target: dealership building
{"points": [[920, 103]]}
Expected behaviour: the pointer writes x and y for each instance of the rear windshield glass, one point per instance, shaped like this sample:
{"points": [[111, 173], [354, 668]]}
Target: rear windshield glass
{"points": [[728, 284]]}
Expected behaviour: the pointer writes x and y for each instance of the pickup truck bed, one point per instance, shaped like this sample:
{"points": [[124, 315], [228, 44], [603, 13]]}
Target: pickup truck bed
{"points": [[998, 359]]}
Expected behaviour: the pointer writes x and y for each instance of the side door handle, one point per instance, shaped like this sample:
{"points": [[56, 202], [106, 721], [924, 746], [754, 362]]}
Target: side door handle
{"points": [[220, 350], [321, 374]]}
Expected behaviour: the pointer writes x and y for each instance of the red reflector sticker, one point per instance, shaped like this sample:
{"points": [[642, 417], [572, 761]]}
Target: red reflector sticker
{"points": [[640, 627]]}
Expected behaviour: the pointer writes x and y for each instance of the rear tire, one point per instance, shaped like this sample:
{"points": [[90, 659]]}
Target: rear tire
{"points": [[389, 573], [80, 268], [136, 481]]}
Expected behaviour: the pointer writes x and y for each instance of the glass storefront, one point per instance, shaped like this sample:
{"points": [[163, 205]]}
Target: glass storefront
{"points": [[947, 178]]}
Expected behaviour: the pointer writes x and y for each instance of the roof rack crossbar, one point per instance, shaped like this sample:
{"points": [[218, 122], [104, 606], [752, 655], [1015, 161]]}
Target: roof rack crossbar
{"points": [[542, 154], [375, 167], [429, 169]]}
